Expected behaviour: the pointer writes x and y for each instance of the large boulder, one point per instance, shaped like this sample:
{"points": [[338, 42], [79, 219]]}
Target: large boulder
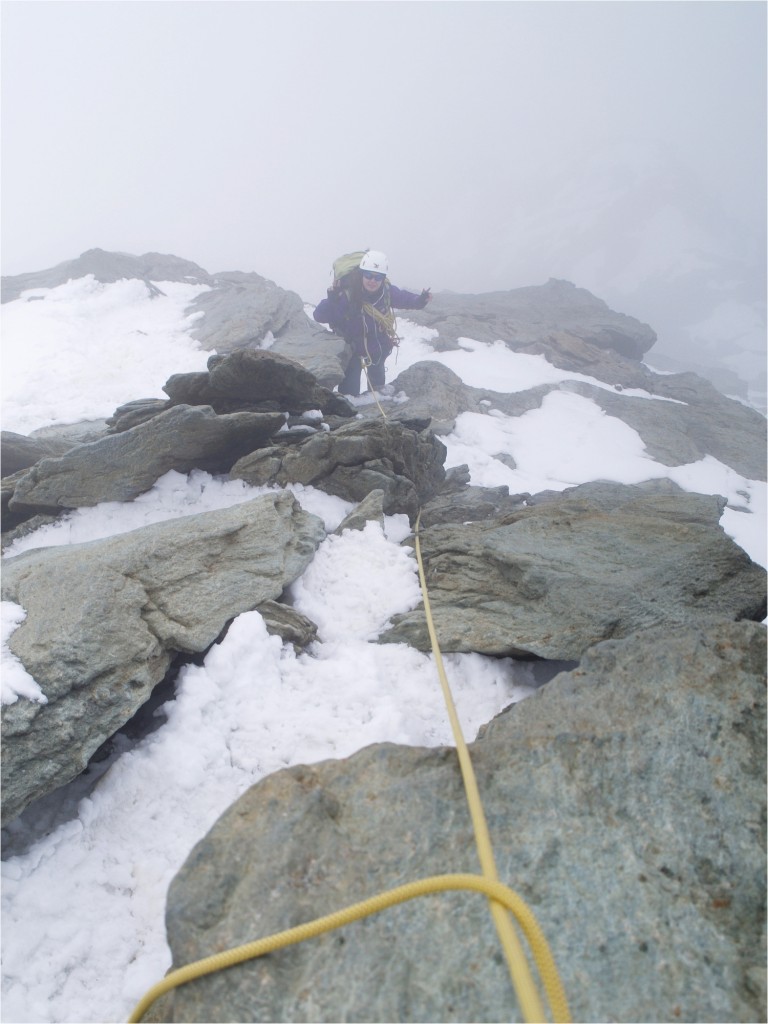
{"points": [[554, 579], [121, 466], [255, 379], [624, 801], [246, 311], [241, 310], [352, 461], [104, 620]]}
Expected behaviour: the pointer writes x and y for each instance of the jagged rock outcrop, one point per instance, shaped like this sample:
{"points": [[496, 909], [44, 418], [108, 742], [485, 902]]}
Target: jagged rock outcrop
{"points": [[121, 466], [246, 380], [573, 328], [601, 562], [352, 461], [105, 618], [625, 802], [243, 311]]}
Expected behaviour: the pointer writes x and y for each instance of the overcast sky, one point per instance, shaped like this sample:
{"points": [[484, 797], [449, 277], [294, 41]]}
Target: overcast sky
{"points": [[272, 136]]}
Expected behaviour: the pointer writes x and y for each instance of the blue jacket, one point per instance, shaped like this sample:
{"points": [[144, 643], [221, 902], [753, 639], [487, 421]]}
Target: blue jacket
{"points": [[360, 330]]}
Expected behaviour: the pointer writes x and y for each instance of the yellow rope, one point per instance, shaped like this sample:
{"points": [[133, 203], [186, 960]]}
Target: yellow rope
{"points": [[530, 1002], [371, 388], [387, 321], [501, 898]]}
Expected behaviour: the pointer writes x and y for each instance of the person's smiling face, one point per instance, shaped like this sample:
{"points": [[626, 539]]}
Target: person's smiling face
{"points": [[372, 281]]}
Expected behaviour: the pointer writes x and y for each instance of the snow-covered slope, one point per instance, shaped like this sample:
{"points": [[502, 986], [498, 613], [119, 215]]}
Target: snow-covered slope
{"points": [[86, 872]]}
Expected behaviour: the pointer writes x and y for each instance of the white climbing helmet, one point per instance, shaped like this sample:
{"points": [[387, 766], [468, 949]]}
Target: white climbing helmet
{"points": [[374, 261]]}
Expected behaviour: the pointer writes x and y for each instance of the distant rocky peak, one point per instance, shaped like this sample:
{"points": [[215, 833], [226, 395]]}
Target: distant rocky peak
{"points": [[107, 267]]}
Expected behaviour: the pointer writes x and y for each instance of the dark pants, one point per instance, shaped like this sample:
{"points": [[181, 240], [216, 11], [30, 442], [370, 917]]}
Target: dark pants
{"points": [[351, 383]]}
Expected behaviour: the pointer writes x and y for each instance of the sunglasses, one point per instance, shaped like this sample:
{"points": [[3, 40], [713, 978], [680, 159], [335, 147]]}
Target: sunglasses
{"points": [[373, 276]]}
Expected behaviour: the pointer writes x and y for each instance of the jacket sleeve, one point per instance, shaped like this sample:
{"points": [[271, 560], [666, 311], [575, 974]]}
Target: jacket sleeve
{"points": [[323, 311], [401, 299], [332, 311]]}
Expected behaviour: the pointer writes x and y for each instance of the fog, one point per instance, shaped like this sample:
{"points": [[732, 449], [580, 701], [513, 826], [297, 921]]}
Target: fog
{"points": [[619, 145]]}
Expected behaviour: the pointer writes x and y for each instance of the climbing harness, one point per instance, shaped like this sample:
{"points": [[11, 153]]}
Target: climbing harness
{"points": [[502, 900]]}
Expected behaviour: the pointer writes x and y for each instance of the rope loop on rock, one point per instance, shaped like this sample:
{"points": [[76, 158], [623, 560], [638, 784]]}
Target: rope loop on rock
{"points": [[496, 891]]}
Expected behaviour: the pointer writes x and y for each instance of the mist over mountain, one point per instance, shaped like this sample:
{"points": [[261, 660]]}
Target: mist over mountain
{"points": [[644, 231], [482, 146]]}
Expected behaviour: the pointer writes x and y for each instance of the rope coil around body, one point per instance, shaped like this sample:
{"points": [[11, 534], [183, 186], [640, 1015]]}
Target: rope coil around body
{"points": [[501, 898]]}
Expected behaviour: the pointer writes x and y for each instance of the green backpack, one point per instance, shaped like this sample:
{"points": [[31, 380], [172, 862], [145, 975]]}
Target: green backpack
{"points": [[346, 264]]}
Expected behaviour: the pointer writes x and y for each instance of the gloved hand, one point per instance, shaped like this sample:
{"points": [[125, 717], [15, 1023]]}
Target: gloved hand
{"points": [[425, 297]]}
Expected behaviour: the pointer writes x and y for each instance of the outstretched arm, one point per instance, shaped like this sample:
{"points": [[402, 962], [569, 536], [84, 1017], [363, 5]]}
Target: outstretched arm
{"points": [[401, 299]]}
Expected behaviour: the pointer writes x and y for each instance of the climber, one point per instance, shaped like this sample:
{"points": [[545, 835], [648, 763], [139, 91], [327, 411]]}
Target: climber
{"points": [[359, 308]]}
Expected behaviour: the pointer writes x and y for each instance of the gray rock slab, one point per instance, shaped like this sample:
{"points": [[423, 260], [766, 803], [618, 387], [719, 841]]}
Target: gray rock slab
{"points": [[105, 618], [625, 803], [121, 466], [556, 578], [435, 392], [240, 310]]}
